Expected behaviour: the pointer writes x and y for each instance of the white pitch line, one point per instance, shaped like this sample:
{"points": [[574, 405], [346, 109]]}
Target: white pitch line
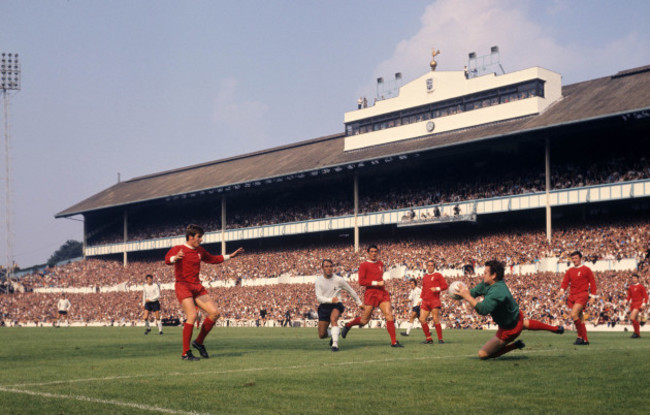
{"points": [[95, 400]]}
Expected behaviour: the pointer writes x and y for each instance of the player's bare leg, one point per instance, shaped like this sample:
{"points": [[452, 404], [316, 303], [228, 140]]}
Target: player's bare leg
{"points": [[158, 321], [635, 323], [322, 329], [437, 324], [424, 315], [496, 347], [146, 322], [387, 310], [412, 317], [206, 304], [578, 319]]}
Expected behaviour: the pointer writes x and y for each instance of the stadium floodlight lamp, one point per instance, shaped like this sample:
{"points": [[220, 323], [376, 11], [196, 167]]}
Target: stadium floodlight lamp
{"points": [[494, 49], [9, 72], [380, 80], [472, 55], [398, 75]]}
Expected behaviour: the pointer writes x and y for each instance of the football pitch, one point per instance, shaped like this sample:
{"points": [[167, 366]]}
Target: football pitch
{"points": [[291, 371]]}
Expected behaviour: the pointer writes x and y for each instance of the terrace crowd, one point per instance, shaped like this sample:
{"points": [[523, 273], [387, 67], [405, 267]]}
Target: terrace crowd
{"points": [[612, 240], [406, 190], [537, 295]]}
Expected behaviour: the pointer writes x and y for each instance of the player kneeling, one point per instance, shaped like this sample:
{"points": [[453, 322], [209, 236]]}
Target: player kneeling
{"points": [[499, 303], [330, 308]]}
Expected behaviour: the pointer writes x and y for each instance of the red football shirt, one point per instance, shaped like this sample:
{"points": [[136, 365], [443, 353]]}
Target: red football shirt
{"points": [[581, 279], [369, 272], [430, 281], [188, 268], [637, 294]]}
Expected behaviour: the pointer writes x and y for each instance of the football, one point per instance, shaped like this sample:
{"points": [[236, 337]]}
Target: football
{"points": [[454, 288]]}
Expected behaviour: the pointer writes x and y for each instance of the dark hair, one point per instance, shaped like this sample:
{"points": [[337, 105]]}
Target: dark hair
{"points": [[576, 253], [148, 276], [371, 247], [322, 264], [636, 275], [193, 230], [414, 281], [432, 261], [496, 267]]}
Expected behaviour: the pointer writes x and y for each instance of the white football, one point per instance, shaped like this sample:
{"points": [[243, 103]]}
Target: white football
{"points": [[454, 289]]}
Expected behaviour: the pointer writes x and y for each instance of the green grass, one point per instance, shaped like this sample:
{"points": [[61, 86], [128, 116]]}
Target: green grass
{"points": [[291, 371]]}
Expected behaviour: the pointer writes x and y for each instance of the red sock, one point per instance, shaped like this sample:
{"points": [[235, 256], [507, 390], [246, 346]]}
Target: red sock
{"points": [[538, 325], [355, 322], [439, 331], [427, 332], [578, 328], [584, 331], [205, 329], [390, 326], [187, 336], [637, 327]]}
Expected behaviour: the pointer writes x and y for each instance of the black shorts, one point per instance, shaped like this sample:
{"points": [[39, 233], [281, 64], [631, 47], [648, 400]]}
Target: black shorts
{"points": [[416, 310], [152, 306], [63, 312], [325, 310]]}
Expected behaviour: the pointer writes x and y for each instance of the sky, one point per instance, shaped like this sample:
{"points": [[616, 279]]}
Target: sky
{"points": [[134, 87]]}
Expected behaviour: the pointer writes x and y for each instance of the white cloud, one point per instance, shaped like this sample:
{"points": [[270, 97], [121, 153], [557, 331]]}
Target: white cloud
{"points": [[458, 27]]}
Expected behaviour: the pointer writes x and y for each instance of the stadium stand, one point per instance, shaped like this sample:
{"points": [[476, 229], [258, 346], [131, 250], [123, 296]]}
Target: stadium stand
{"points": [[583, 159]]}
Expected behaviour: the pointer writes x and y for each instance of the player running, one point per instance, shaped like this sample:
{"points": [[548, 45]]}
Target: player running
{"points": [[581, 280], [433, 283], [499, 303], [371, 276], [187, 260], [414, 305], [637, 297], [328, 293], [151, 303]]}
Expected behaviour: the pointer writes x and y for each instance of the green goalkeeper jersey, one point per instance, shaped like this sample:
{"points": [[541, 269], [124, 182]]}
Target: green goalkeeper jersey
{"points": [[497, 302]]}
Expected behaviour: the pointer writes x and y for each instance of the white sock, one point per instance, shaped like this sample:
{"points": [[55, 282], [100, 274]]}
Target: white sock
{"points": [[408, 328], [159, 324], [146, 323], [335, 336]]}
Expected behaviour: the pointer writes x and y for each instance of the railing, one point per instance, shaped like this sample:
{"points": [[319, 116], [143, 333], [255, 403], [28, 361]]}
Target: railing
{"points": [[563, 197]]}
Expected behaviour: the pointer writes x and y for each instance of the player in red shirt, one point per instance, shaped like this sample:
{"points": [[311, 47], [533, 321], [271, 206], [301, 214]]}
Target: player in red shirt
{"points": [[433, 283], [582, 281], [371, 276], [637, 296], [187, 259]]}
